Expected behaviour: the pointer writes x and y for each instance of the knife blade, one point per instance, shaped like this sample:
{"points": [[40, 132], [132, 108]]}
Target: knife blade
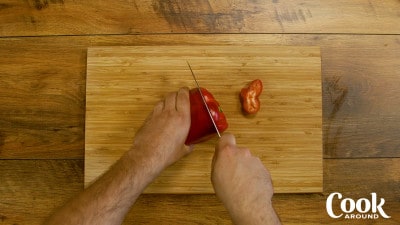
{"points": [[204, 100]]}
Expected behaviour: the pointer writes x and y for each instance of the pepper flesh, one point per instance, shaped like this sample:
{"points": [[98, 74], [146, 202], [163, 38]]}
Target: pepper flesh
{"points": [[250, 97], [201, 127]]}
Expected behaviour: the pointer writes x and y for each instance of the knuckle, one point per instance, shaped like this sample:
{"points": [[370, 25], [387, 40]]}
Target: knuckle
{"points": [[246, 152], [228, 149]]}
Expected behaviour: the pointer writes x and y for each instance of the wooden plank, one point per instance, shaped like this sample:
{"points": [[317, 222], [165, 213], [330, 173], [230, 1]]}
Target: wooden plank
{"points": [[42, 94], [42, 90], [43, 17], [361, 99], [31, 189], [124, 83]]}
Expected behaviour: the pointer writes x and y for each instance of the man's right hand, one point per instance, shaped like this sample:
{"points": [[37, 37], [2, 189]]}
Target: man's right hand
{"points": [[242, 183]]}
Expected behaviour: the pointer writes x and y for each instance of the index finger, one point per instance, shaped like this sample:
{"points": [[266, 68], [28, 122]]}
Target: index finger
{"points": [[225, 140], [183, 101]]}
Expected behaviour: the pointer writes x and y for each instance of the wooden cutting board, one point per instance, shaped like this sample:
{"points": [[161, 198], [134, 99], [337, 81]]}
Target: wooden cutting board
{"points": [[124, 83]]}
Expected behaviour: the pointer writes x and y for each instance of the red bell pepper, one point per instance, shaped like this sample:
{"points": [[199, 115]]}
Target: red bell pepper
{"points": [[249, 97], [201, 127]]}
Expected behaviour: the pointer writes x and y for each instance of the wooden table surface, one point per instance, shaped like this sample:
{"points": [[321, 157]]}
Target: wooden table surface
{"points": [[42, 96]]}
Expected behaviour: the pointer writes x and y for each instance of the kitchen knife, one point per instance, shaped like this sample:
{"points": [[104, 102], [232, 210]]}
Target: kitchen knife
{"points": [[204, 100]]}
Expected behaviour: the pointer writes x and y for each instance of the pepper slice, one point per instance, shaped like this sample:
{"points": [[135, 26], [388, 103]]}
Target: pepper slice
{"points": [[250, 97], [201, 127]]}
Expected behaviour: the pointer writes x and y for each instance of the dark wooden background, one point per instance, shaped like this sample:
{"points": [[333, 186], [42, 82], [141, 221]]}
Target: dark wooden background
{"points": [[43, 47]]}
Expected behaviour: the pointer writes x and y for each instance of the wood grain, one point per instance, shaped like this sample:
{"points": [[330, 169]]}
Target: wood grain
{"points": [[42, 95], [49, 183], [348, 63], [124, 84], [43, 90], [31, 189], [59, 17]]}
